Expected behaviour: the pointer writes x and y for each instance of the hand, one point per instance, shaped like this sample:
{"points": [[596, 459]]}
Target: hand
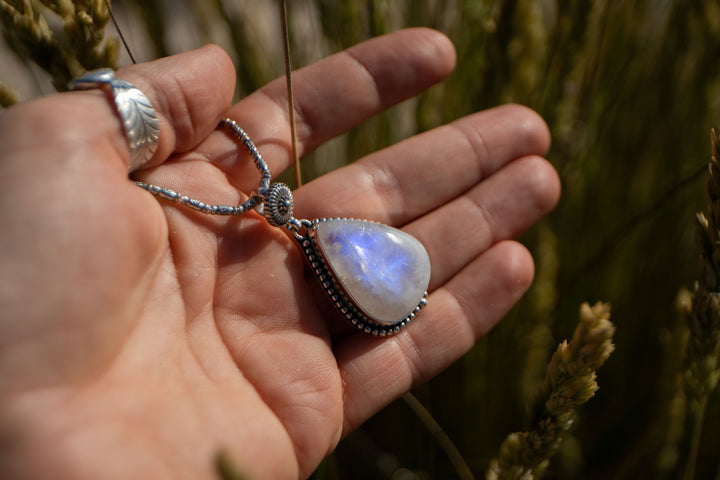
{"points": [[139, 338]]}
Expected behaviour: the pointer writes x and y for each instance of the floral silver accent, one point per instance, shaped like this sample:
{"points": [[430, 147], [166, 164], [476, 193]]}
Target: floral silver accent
{"points": [[278, 205]]}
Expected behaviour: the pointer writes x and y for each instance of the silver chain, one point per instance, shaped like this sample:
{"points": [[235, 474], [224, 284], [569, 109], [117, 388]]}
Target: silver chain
{"points": [[276, 198]]}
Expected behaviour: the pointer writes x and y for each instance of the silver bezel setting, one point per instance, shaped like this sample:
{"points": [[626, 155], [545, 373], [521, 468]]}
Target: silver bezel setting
{"points": [[337, 294]]}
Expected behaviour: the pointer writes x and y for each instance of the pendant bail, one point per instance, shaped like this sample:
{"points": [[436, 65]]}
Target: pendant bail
{"points": [[278, 204]]}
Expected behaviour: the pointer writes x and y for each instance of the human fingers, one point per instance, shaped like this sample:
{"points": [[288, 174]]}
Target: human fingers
{"points": [[336, 93], [78, 151], [402, 182], [81, 257], [463, 310], [499, 208]]}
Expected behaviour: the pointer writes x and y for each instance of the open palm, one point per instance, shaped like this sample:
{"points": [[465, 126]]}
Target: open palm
{"points": [[139, 339]]}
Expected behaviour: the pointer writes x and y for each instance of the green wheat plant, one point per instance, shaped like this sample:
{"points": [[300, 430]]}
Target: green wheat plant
{"points": [[628, 89]]}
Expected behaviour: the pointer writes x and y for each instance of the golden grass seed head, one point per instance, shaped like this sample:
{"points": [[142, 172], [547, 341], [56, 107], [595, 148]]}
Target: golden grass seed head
{"points": [[8, 96]]}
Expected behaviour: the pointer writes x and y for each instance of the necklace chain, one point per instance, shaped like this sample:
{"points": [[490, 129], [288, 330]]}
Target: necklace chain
{"points": [[256, 200]]}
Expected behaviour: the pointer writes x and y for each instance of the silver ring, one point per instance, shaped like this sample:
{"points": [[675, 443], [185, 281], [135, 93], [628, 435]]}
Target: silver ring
{"points": [[140, 121]]}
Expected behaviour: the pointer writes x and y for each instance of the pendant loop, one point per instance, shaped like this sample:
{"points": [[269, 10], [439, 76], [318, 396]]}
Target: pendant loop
{"points": [[299, 228]]}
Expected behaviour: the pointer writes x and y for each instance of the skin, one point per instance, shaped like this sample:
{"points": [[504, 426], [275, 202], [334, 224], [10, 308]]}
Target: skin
{"points": [[138, 339]]}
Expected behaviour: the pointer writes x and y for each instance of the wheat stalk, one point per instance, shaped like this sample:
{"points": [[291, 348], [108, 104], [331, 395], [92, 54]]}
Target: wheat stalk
{"points": [[703, 347], [82, 47], [570, 381]]}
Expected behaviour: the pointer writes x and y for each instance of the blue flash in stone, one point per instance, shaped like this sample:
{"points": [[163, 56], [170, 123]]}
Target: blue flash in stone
{"points": [[380, 274]]}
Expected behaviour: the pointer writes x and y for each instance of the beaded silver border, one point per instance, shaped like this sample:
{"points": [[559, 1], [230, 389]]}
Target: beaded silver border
{"points": [[337, 294]]}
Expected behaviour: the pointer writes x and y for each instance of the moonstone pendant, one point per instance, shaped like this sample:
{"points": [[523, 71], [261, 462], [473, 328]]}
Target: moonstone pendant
{"points": [[375, 275]]}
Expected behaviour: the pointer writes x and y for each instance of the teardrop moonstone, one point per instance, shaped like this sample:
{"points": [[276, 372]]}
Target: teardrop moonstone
{"points": [[384, 270]]}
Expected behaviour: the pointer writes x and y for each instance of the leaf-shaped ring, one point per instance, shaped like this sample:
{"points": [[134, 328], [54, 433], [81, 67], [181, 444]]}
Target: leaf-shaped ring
{"points": [[140, 121]]}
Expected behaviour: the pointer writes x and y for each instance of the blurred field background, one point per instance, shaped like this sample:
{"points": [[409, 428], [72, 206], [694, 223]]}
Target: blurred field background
{"points": [[630, 89]]}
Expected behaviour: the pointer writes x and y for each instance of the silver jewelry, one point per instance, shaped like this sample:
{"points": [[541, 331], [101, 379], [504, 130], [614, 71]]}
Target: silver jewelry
{"points": [[139, 119], [375, 276]]}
